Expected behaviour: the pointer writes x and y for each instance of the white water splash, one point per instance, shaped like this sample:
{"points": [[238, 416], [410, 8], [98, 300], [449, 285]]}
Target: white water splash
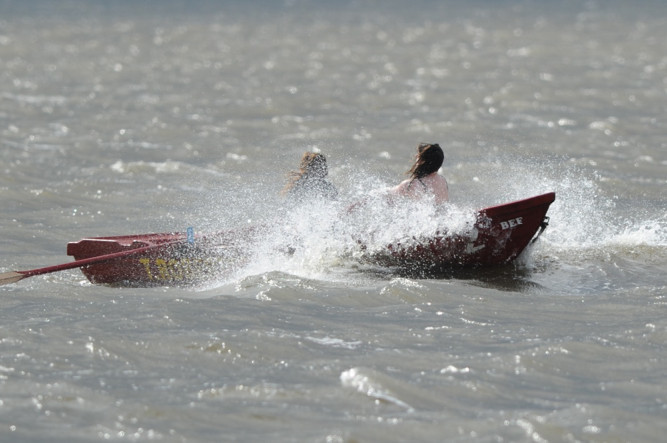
{"points": [[321, 238]]}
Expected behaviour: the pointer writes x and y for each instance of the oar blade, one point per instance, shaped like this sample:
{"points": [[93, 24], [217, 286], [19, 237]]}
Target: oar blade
{"points": [[10, 277]]}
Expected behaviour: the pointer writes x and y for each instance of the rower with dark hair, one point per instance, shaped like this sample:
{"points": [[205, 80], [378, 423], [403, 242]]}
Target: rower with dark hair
{"points": [[424, 179]]}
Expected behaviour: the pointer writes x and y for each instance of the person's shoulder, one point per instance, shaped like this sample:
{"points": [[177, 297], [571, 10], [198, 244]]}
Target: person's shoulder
{"points": [[402, 185], [438, 179]]}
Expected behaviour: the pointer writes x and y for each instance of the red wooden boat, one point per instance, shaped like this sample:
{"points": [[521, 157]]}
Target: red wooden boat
{"points": [[498, 236]]}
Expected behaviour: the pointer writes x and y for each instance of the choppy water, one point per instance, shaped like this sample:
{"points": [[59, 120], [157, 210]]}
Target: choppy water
{"points": [[130, 117]]}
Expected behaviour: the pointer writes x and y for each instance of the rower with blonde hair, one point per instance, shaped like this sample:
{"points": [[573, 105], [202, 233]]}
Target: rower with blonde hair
{"points": [[309, 182]]}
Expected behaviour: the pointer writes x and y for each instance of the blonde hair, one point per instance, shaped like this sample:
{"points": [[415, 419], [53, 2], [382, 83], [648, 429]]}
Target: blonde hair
{"points": [[313, 165]]}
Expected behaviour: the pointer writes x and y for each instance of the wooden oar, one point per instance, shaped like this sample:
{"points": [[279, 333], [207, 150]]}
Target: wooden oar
{"points": [[15, 276]]}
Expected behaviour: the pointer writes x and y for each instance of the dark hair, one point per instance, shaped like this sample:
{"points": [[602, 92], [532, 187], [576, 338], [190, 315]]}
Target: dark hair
{"points": [[429, 159]]}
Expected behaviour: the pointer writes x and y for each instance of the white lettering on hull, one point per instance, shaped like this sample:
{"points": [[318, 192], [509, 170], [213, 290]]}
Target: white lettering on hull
{"points": [[511, 223]]}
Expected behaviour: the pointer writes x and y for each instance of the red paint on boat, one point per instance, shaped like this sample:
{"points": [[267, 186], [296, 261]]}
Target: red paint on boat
{"points": [[172, 261]]}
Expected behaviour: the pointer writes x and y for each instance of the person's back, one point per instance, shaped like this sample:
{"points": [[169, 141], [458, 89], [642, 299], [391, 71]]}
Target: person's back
{"points": [[432, 186], [424, 181], [312, 188]]}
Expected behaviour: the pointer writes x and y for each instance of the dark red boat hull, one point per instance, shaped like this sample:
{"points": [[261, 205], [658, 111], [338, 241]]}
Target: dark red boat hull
{"points": [[498, 236]]}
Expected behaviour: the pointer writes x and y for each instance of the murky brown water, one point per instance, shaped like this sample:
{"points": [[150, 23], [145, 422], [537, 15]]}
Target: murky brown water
{"points": [[118, 118]]}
